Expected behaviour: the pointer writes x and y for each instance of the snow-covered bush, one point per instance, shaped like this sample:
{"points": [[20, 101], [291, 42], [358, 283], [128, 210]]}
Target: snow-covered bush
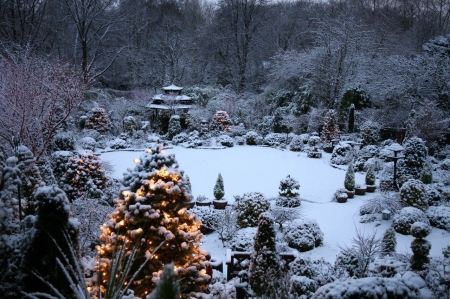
{"points": [[402, 222], [386, 267], [439, 217], [415, 156], [180, 138], [174, 126], [289, 193], [207, 216], [225, 140], [434, 197], [130, 125], [330, 128], [304, 138], [274, 139], [419, 246], [368, 287], [379, 203], [445, 164], [118, 144], [314, 142], [253, 138], [349, 181], [427, 174], [386, 176], [243, 239], [296, 144], [389, 241], [301, 286], [303, 234], [238, 130], [347, 263], [58, 162], [87, 143], [97, 120], [320, 271], [369, 151], [413, 193], [249, 207], [266, 125], [370, 176], [221, 121], [239, 140], [342, 154], [370, 132], [63, 141]]}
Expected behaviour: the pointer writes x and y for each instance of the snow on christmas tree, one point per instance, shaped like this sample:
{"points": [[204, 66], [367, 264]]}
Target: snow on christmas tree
{"points": [[219, 190], [167, 287], [151, 211], [330, 128], [97, 120], [221, 121], [265, 261]]}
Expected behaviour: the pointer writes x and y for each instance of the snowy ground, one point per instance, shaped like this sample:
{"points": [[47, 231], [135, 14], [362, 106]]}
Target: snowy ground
{"points": [[252, 168]]}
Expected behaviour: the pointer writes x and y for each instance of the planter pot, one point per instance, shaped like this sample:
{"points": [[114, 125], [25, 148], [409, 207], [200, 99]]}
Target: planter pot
{"points": [[328, 149], [203, 203], [360, 191], [350, 194], [371, 188], [190, 204], [220, 204], [341, 199]]}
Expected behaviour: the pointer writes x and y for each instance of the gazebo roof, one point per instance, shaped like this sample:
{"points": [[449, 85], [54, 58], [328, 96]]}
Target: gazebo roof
{"points": [[172, 87]]}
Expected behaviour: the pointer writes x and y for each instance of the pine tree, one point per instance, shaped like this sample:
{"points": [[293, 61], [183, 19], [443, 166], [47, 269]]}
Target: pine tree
{"points": [[219, 191], [151, 210], [349, 182], [410, 126], [221, 121], [351, 119], [427, 174], [389, 241], [289, 187], [97, 120], [174, 126], [370, 176], [264, 262], [330, 128], [167, 286]]}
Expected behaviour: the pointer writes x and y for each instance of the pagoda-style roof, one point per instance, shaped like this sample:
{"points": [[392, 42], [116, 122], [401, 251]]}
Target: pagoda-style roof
{"points": [[172, 87], [170, 99]]}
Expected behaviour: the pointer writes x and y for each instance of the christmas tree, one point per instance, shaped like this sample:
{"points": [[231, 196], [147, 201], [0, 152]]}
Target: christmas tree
{"points": [[221, 121], [151, 211], [167, 287], [219, 188], [97, 120], [264, 262], [330, 128]]}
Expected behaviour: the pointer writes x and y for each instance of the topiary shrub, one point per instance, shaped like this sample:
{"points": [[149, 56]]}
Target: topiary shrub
{"points": [[407, 216], [347, 262], [414, 194], [249, 207], [389, 242], [180, 138], [303, 234], [296, 144], [289, 193], [221, 121], [370, 132], [415, 156], [439, 217], [119, 144], [274, 139], [427, 174], [87, 143], [342, 154], [349, 182], [370, 176], [63, 142], [419, 246], [225, 140], [219, 190], [130, 125], [253, 138], [434, 197]]}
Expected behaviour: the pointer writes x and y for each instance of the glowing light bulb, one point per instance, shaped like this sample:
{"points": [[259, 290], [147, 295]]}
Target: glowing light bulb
{"points": [[137, 161]]}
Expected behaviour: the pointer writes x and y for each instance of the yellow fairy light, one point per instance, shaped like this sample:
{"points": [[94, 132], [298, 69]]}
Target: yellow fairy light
{"points": [[137, 161]]}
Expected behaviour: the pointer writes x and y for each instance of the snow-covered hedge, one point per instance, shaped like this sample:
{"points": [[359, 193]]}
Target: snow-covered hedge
{"points": [[225, 140], [402, 222], [180, 138], [243, 239], [274, 139], [434, 197], [369, 287], [239, 140], [253, 138], [303, 234], [439, 217], [413, 193], [63, 142], [342, 154], [118, 144], [301, 286], [296, 144], [238, 130], [386, 267], [87, 143], [249, 207]]}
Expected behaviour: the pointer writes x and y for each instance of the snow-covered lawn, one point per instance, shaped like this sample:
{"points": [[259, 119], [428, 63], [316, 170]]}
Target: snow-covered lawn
{"points": [[260, 169]]}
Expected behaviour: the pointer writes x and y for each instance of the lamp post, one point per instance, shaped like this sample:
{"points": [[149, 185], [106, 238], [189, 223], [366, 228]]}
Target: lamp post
{"points": [[396, 148]]}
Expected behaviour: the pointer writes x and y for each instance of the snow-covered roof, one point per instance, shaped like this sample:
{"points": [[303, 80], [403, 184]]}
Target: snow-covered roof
{"points": [[167, 107], [171, 97], [172, 87]]}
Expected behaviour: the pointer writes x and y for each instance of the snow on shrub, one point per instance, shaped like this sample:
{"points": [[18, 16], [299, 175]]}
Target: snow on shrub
{"points": [[249, 207], [301, 286], [369, 132], [180, 138], [434, 197], [415, 155], [296, 144], [413, 193], [386, 267], [207, 216], [402, 222], [379, 203], [369, 151], [439, 217], [63, 142], [240, 140], [342, 154], [87, 143], [253, 138], [238, 130], [243, 239], [303, 234], [445, 165], [369, 287], [225, 140], [274, 139], [118, 144]]}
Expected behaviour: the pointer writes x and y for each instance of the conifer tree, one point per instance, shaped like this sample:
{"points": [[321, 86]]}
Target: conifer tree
{"points": [[167, 286], [219, 190], [221, 121], [151, 210], [174, 126], [370, 176], [427, 174], [351, 118], [349, 182], [330, 128], [419, 246], [264, 262], [410, 126], [389, 241], [97, 120]]}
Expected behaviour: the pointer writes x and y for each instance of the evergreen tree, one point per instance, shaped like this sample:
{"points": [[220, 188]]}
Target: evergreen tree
{"points": [[97, 120], [167, 286], [349, 182], [289, 187], [410, 126], [370, 176], [427, 174], [264, 262], [389, 241], [151, 210], [188, 183], [330, 128], [351, 119], [219, 191], [53, 227], [221, 121], [415, 156], [174, 126], [419, 246]]}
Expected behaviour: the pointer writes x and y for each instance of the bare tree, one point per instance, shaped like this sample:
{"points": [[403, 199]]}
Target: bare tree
{"points": [[36, 97]]}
